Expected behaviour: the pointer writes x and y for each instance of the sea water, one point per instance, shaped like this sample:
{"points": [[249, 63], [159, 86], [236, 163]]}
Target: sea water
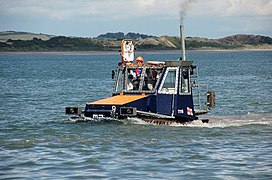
{"points": [[36, 141]]}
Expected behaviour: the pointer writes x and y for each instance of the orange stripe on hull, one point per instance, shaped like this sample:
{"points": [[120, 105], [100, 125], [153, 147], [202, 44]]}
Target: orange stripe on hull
{"points": [[118, 100]]}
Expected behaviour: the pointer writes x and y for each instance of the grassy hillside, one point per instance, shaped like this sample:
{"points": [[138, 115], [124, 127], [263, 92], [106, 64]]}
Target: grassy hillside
{"points": [[21, 41], [6, 35]]}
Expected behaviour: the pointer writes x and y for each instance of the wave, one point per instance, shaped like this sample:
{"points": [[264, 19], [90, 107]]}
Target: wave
{"points": [[237, 120], [214, 121]]}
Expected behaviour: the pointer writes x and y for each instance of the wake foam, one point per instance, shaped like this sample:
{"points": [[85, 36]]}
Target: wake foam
{"points": [[239, 120], [214, 121]]}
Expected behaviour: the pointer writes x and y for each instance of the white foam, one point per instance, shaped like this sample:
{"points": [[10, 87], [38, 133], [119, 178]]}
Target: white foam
{"points": [[214, 121], [242, 120]]}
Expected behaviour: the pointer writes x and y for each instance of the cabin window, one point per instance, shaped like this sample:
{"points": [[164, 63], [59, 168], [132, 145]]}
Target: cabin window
{"points": [[169, 82], [120, 80], [185, 85], [134, 79], [151, 78]]}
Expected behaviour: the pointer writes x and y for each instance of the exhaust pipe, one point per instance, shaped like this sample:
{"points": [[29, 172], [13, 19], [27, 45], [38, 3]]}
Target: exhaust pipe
{"points": [[182, 39]]}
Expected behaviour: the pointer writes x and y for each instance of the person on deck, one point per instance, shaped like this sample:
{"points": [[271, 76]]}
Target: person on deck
{"points": [[140, 61], [130, 82]]}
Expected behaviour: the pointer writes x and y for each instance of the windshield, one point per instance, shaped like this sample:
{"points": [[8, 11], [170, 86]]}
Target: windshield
{"points": [[137, 79]]}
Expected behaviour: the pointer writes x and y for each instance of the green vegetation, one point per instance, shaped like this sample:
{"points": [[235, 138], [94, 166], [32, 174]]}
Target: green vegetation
{"points": [[112, 42], [210, 45], [59, 43]]}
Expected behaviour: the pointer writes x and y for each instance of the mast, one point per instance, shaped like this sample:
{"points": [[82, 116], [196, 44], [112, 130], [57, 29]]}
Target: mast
{"points": [[182, 41]]}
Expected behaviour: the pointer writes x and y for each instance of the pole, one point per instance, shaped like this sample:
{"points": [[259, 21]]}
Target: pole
{"points": [[182, 39]]}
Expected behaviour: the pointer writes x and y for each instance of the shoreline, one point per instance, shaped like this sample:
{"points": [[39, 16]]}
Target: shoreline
{"points": [[136, 52]]}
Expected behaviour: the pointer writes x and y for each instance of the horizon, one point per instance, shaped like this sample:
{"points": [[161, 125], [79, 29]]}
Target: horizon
{"points": [[131, 32], [150, 17]]}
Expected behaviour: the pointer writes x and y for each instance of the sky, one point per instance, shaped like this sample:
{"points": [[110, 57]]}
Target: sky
{"points": [[90, 18]]}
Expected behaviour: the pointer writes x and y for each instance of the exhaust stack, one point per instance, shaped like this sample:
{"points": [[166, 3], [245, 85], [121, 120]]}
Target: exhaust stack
{"points": [[182, 39]]}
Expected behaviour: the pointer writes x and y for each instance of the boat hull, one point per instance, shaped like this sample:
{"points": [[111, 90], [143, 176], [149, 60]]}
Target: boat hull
{"points": [[141, 106]]}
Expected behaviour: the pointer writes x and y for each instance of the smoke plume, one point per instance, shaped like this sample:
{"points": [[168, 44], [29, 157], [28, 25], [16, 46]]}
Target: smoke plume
{"points": [[184, 6]]}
